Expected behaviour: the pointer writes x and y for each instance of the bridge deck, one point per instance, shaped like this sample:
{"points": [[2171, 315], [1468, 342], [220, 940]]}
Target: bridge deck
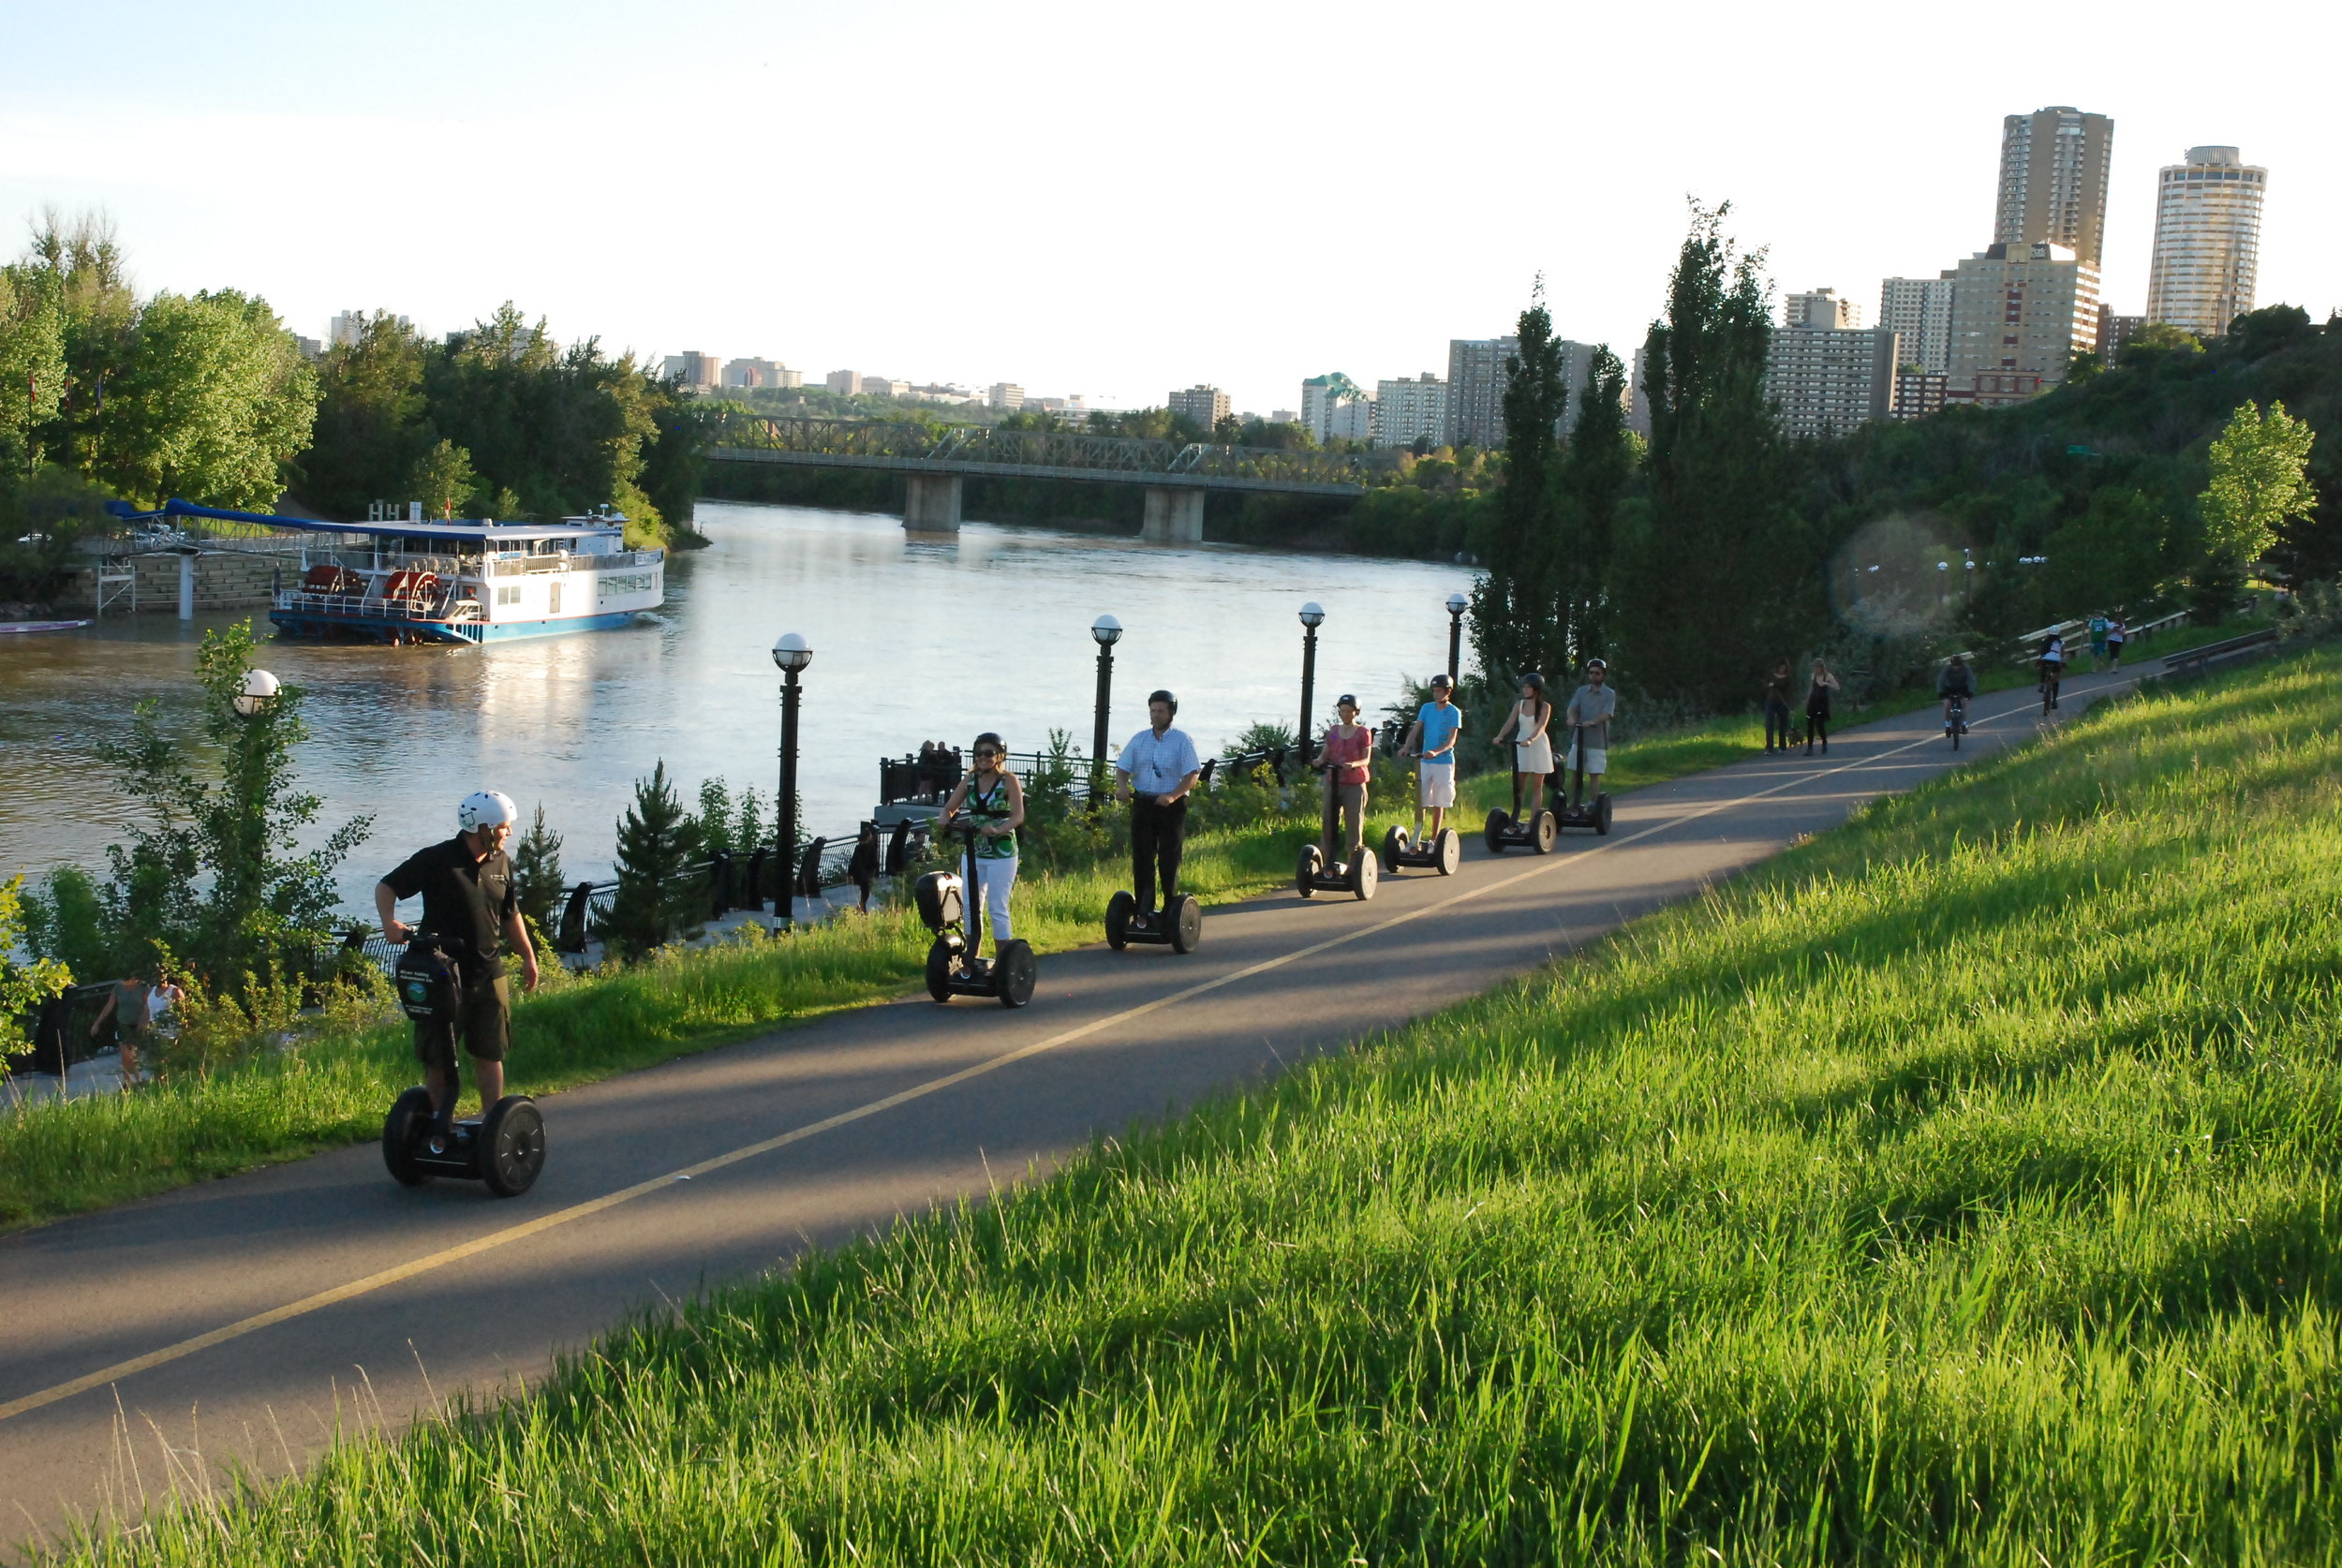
{"points": [[978, 469]]}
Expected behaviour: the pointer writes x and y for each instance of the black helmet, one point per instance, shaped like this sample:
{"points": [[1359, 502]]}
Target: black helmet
{"points": [[1345, 700], [1533, 678], [1164, 697], [1602, 664], [992, 740]]}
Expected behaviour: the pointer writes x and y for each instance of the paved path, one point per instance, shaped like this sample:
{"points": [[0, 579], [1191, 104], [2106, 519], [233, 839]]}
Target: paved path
{"points": [[240, 1321]]}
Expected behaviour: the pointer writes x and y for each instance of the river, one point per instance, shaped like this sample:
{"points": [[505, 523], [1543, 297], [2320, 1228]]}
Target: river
{"points": [[914, 639]]}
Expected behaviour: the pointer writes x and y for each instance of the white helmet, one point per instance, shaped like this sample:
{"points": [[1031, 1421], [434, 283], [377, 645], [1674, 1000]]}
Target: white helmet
{"points": [[486, 808]]}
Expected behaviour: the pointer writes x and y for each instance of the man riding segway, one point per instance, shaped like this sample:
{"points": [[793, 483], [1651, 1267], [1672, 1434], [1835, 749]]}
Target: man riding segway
{"points": [[1432, 741], [1592, 708], [1156, 770], [453, 984]]}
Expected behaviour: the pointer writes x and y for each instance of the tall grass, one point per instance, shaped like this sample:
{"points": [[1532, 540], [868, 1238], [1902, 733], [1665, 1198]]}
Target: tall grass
{"points": [[1959, 1190]]}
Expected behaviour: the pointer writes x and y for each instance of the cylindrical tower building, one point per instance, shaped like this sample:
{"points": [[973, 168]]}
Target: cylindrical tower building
{"points": [[2207, 241]]}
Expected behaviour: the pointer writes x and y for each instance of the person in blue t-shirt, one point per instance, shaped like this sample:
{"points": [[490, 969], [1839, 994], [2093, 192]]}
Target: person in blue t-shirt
{"points": [[1431, 739]]}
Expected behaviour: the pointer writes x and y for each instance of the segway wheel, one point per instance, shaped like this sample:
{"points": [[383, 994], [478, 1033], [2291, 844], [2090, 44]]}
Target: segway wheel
{"points": [[1015, 973], [1394, 844], [1499, 822], [1543, 831], [1364, 874], [939, 959], [510, 1149], [1118, 911], [1305, 872], [402, 1130], [1448, 846], [1602, 814], [1187, 924]]}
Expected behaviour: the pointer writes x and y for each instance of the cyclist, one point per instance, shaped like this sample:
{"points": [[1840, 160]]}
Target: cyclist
{"points": [[2051, 664], [1956, 682]]}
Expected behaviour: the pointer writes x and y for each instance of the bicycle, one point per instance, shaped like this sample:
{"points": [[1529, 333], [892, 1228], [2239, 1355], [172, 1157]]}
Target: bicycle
{"points": [[1956, 720], [2049, 687]]}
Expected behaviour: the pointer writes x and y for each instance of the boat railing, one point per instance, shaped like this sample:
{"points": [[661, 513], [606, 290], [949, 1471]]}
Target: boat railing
{"points": [[521, 565]]}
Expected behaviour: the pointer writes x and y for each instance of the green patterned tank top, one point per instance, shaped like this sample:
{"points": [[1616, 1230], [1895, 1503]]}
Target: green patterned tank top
{"points": [[988, 808]]}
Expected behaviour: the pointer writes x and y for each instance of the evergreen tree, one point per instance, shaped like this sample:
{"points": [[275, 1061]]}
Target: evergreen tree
{"points": [[1718, 576], [1596, 473], [1517, 608], [660, 895], [536, 879]]}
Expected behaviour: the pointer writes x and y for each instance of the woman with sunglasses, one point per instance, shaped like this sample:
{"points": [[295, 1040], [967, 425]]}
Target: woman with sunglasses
{"points": [[995, 800]]}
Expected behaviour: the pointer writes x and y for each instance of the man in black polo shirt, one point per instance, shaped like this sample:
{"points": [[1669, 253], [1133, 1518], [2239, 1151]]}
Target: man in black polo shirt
{"points": [[469, 900]]}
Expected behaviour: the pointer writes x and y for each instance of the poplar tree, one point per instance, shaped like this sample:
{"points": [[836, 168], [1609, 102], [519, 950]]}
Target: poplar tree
{"points": [[2259, 480], [1517, 608], [1595, 472]]}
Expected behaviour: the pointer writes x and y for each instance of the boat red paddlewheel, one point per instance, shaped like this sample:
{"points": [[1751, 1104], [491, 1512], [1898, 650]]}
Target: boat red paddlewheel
{"points": [[331, 580], [411, 588]]}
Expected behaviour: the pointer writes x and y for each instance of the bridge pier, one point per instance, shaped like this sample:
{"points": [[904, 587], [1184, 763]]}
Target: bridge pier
{"points": [[931, 503], [1173, 516]]}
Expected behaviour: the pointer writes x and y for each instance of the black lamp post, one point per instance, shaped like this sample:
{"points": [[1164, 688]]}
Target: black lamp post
{"points": [[1457, 605], [1108, 632], [1312, 615], [791, 654]]}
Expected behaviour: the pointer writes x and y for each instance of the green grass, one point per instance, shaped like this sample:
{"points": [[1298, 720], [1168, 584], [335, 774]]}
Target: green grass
{"points": [[1959, 1189]]}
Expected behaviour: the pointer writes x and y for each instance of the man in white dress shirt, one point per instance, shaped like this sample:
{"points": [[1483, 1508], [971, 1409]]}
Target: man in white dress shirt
{"points": [[1155, 772]]}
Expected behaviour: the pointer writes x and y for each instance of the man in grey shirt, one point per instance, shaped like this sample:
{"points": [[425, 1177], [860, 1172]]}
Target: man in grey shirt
{"points": [[1155, 772], [1592, 708]]}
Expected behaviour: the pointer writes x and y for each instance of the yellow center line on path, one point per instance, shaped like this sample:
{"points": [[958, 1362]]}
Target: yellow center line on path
{"points": [[429, 1262]]}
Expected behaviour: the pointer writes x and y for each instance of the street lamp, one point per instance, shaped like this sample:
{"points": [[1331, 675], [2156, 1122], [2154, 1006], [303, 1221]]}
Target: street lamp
{"points": [[1312, 615], [260, 690], [792, 654], [1457, 604], [1108, 632]]}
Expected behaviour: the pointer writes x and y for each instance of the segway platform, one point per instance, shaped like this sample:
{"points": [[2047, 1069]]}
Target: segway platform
{"points": [[1536, 831], [505, 1148], [1595, 817], [1312, 874], [1179, 927], [1441, 853], [953, 968]]}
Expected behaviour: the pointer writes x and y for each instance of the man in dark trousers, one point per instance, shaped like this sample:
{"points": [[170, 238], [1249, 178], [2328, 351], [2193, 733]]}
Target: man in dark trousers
{"points": [[1155, 772], [470, 902]]}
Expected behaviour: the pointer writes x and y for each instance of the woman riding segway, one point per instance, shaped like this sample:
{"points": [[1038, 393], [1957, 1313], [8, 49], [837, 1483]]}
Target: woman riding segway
{"points": [[1527, 724], [1345, 758], [985, 809]]}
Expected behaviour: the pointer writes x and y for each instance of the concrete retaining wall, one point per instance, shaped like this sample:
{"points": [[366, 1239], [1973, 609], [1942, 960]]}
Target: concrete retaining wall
{"points": [[224, 579]]}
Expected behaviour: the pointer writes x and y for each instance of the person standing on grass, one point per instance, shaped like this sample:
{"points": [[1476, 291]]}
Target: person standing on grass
{"points": [[1157, 768], [1532, 746], [1592, 708], [1777, 705], [1431, 739], [994, 801], [863, 864], [127, 1005], [1817, 702], [471, 903], [1346, 753], [2116, 633]]}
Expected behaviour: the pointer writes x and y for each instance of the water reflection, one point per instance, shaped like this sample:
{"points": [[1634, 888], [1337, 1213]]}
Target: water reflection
{"points": [[913, 638]]}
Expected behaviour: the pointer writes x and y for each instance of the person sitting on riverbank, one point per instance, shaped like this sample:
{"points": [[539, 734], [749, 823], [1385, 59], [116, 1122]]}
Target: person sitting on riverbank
{"points": [[994, 799]]}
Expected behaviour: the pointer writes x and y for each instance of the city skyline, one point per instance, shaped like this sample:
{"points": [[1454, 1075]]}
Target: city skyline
{"points": [[437, 199]]}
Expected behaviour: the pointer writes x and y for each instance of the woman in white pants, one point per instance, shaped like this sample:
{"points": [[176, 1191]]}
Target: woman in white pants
{"points": [[993, 798]]}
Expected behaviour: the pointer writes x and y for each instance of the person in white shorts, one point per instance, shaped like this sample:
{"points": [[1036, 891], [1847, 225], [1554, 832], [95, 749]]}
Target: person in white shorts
{"points": [[1532, 746], [994, 801], [1592, 708], [1432, 738]]}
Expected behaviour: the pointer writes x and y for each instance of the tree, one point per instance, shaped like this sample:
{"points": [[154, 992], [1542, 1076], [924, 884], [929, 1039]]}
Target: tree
{"points": [[23, 986], [443, 480], [371, 426], [2162, 336], [1595, 474], [210, 872], [536, 880], [660, 895], [213, 401], [2258, 482], [1517, 610], [32, 361]]}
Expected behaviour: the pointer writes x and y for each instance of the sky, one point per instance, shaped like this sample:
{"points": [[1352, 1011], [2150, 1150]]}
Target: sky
{"points": [[1110, 200]]}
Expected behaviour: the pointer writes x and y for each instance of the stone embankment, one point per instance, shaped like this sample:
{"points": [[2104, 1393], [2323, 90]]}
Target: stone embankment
{"points": [[230, 579]]}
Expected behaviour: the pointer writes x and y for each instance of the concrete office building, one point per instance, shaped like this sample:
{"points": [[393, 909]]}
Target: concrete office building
{"points": [[845, 383], [1918, 310], [751, 373], [698, 371], [1007, 394], [2113, 332], [1829, 379], [1206, 404], [1820, 308], [2207, 241], [2052, 181], [1407, 411], [2019, 315], [1327, 401]]}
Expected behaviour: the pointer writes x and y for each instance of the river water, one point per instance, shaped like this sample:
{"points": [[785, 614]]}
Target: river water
{"points": [[914, 639]]}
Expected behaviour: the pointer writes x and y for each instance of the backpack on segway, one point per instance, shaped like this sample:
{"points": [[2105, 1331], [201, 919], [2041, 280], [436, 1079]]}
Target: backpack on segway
{"points": [[505, 1148], [951, 907]]}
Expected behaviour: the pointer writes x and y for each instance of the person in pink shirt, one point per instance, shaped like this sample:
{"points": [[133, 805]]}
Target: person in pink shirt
{"points": [[1347, 752]]}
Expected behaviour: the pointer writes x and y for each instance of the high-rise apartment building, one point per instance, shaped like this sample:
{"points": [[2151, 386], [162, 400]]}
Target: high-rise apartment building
{"points": [[1326, 402], [2207, 241], [346, 328], [1206, 404], [845, 383], [2019, 315], [1918, 393], [2113, 332], [1829, 380], [2052, 181], [1918, 310], [1476, 389], [1820, 307], [697, 371], [1407, 411]]}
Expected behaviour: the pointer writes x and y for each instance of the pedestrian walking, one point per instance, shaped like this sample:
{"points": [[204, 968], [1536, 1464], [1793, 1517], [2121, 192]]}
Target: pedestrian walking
{"points": [[125, 1005], [2116, 632], [1817, 700], [2099, 625], [1777, 706], [863, 864]]}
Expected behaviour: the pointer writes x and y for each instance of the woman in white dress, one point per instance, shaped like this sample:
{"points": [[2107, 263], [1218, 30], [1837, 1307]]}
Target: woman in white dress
{"points": [[1530, 726]]}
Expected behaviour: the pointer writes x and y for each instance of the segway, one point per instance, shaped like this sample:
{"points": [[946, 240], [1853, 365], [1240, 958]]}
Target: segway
{"points": [[1316, 871], [1179, 926], [950, 907], [1441, 853], [506, 1147], [1577, 813]]}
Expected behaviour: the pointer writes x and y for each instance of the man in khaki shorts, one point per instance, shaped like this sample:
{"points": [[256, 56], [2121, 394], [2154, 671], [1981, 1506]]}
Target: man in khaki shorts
{"points": [[1592, 708], [1432, 738]]}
